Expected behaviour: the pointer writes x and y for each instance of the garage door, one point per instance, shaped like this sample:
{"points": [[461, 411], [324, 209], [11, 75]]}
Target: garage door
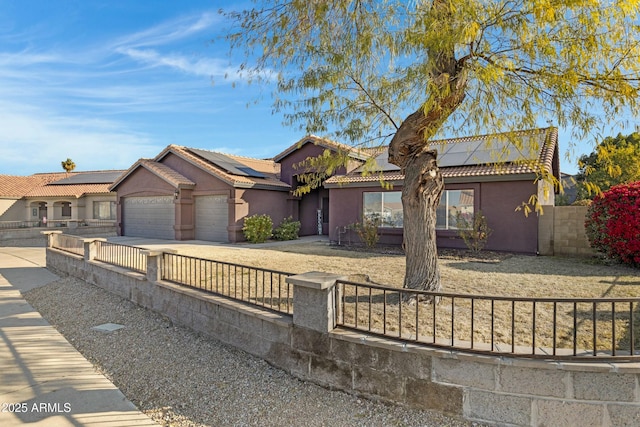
{"points": [[212, 218], [151, 217]]}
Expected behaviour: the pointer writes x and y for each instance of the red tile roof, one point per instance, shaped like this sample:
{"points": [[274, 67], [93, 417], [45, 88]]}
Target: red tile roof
{"points": [[17, 186], [76, 191], [42, 185]]}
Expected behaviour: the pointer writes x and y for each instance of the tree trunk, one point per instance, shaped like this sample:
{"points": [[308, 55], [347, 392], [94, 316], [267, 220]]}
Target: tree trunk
{"points": [[423, 186], [421, 192], [409, 149]]}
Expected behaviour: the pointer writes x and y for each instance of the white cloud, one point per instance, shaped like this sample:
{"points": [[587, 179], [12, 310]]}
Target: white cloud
{"points": [[211, 67], [35, 140], [168, 32]]}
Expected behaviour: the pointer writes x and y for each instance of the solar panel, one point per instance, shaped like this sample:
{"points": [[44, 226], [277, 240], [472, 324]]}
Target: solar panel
{"points": [[453, 159], [100, 177], [227, 164], [472, 152], [483, 151]]}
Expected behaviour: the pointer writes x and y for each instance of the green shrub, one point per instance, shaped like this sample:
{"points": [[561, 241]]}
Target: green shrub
{"points": [[367, 230], [474, 231], [287, 230], [257, 228]]}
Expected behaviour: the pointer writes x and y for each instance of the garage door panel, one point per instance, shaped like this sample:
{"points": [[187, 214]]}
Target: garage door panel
{"points": [[211, 218], [152, 217]]}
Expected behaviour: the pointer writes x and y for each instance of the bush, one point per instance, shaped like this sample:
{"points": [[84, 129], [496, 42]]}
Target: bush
{"points": [[613, 223], [474, 232], [287, 230], [581, 202], [367, 230], [257, 228]]}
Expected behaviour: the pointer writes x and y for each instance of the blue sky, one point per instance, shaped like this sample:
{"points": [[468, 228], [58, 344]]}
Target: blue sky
{"points": [[106, 82]]}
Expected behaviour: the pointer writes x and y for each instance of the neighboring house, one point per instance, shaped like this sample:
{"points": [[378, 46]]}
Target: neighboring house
{"points": [[188, 193], [62, 198]]}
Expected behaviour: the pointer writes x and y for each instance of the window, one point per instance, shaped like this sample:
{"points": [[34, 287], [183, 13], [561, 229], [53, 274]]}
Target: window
{"points": [[104, 210], [387, 207], [452, 203], [66, 209]]}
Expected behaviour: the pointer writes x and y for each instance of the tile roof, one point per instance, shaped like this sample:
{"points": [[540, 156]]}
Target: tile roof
{"points": [[76, 191], [268, 168], [547, 160], [43, 185], [17, 186], [164, 172], [360, 154]]}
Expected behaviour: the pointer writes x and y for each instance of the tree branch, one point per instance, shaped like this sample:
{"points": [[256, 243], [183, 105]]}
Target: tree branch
{"points": [[373, 101]]}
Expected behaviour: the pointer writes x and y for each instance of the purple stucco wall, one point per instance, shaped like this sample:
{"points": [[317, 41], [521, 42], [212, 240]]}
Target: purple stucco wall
{"points": [[242, 202], [512, 230], [308, 205]]}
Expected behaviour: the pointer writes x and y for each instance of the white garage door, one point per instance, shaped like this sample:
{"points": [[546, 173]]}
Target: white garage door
{"points": [[151, 217], [212, 218]]}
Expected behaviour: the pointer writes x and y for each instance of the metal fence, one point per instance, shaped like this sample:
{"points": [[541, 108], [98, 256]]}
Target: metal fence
{"points": [[10, 225], [70, 223], [125, 256], [258, 286], [97, 223], [71, 244], [555, 328]]}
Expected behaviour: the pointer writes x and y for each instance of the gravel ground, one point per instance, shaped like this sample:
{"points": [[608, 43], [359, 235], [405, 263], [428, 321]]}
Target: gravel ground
{"points": [[182, 378]]}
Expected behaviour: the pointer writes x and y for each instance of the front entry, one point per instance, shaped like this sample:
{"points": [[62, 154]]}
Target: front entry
{"points": [[42, 213], [313, 212]]}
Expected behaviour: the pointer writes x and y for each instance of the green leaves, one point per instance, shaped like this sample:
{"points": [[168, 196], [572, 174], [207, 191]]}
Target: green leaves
{"points": [[614, 161], [354, 69]]}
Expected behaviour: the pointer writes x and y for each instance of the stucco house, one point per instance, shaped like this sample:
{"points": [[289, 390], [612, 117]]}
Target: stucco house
{"points": [[64, 199], [188, 193], [488, 173]]}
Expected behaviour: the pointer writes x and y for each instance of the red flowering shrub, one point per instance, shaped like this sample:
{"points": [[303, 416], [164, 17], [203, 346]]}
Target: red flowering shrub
{"points": [[613, 223]]}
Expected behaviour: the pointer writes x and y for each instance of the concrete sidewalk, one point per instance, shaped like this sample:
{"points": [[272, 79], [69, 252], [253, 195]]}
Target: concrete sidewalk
{"points": [[44, 381]]}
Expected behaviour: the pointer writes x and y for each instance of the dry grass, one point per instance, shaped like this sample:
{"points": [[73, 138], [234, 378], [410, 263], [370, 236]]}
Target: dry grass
{"points": [[512, 276], [515, 276]]}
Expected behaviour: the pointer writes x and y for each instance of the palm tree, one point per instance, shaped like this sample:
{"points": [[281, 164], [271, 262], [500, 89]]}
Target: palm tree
{"points": [[68, 165]]}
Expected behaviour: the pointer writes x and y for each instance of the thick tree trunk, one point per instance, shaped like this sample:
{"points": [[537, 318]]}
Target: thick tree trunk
{"points": [[409, 149], [421, 192], [423, 186]]}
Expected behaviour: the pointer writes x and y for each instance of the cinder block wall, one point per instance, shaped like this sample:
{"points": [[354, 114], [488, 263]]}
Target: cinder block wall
{"points": [[490, 389], [569, 237]]}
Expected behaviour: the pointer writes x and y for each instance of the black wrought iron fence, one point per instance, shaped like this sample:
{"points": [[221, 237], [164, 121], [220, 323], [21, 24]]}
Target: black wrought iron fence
{"points": [[530, 327], [125, 256], [258, 286], [68, 243]]}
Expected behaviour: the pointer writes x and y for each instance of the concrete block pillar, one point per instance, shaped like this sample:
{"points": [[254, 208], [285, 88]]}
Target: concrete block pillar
{"points": [[546, 231], [51, 237], [314, 300], [154, 264], [90, 248]]}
